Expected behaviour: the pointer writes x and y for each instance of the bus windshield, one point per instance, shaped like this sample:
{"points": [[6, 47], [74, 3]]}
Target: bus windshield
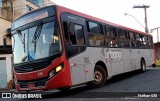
{"points": [[36, 42]]}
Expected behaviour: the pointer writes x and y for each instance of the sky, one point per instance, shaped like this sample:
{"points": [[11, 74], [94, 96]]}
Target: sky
{"points": [[113, 11]]}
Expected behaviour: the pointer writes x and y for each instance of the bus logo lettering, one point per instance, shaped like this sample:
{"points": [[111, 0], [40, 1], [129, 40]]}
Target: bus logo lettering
{"points": [[113, 54], [40, 74]]}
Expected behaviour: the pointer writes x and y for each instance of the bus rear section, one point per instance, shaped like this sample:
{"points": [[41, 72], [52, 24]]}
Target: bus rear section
{"points": [[98, 50]]}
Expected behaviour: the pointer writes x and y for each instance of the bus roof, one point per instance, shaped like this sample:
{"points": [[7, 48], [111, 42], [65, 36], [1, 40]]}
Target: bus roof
{"points": [[61, 9]]}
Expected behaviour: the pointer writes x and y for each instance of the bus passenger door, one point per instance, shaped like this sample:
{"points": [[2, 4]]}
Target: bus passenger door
{"points": [[74, 41]]}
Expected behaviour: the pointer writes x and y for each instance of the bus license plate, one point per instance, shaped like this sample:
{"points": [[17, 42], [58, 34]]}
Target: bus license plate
{"points": [[30, 85]]}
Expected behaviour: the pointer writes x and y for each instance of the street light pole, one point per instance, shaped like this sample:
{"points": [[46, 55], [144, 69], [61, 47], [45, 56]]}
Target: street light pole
{"points": [[145, 12], [135, 19]]}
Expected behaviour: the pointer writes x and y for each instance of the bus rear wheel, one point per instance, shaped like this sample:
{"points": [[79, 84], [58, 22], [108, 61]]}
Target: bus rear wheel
{"points": [[100, 77]]}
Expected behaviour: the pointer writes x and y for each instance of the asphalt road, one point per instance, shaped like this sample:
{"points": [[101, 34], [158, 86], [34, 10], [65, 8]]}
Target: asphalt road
{"points": [[122, 87]]}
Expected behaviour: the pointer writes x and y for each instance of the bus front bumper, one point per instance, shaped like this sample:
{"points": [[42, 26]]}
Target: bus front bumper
{"points": [[58, 81]]}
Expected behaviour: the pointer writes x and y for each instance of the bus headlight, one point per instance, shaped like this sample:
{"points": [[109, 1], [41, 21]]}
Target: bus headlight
{"points": [[55, 71], [59, 68]]}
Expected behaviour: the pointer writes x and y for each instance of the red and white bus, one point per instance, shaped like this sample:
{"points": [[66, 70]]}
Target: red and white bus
{"points": [[56, 48]]}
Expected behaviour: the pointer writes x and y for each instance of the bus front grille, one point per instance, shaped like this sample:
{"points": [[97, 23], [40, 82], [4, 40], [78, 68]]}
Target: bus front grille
{"points": [[37, 83]]}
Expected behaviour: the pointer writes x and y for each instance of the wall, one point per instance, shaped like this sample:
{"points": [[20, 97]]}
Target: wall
{"points": [[18, 8], [9, 69], [4, 25], [48, 2]]}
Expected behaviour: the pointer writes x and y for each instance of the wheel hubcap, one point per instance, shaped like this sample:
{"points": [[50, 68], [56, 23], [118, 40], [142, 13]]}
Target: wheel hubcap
{"points": [[98, 76]]}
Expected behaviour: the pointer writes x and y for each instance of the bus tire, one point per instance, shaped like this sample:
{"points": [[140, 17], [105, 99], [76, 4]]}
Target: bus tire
{"points": [[154, 65], [100, 77], [143, 66]]}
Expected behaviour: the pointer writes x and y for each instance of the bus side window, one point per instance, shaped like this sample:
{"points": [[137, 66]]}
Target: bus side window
{"points": [[113, 40], [150, 41], [141, 41], [72, 35], [76, 34], [138, 40], [66, 35], [145, 42], [107, 35], [122, 40], [96, 36], [78, 29], [132, 40]]}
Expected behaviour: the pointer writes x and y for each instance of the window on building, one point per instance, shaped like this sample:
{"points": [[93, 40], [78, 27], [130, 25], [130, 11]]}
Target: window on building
{"points": [[6, 9], [0, 3], [37, 2]]}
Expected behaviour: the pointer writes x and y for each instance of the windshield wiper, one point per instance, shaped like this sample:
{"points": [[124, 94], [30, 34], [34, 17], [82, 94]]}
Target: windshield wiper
{"points": [[22, 38], [37, 35]]}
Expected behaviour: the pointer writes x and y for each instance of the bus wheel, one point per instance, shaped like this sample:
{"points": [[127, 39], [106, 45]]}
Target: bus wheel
{"points": [[143, 66], [100, 77]]}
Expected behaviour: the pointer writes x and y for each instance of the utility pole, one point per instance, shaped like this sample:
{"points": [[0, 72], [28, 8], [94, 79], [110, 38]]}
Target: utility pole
{"points": [[145, 12], [157, 28]]}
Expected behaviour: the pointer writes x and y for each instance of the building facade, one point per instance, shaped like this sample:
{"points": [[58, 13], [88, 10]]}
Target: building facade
{"points": [[9, 11], [6, 16], [157, 53]]}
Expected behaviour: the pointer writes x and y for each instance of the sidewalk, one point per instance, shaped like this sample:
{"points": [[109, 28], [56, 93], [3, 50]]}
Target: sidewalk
{"points": [[6, 90]]}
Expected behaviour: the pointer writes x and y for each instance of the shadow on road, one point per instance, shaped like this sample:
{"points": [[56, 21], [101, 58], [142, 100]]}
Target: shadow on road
{"points": [[78, 91], [124, 76]]}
